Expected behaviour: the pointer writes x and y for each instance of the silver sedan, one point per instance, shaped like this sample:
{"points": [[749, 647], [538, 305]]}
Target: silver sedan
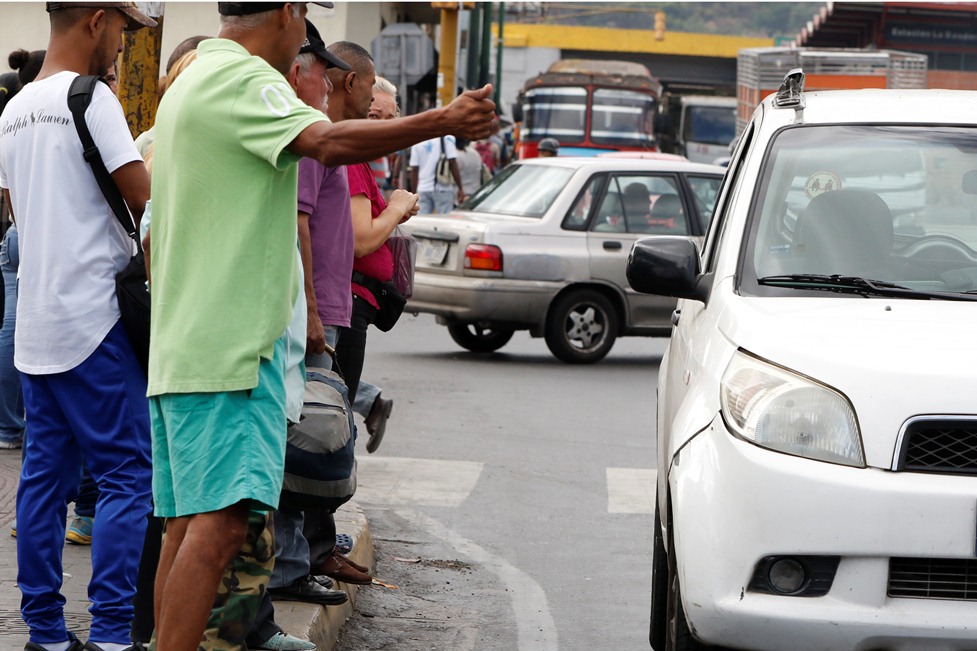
{"points": [[543, 247]]}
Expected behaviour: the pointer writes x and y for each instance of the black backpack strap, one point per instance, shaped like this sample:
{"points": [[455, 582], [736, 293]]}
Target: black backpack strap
{"points": [[79, 97]]}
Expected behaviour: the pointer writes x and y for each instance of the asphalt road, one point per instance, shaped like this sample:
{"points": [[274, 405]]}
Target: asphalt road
{"points": [[511, 500]]}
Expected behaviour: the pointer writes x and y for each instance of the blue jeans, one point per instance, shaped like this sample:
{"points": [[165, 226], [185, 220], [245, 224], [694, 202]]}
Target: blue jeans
{"points": [[437, 202], [11, 395]]}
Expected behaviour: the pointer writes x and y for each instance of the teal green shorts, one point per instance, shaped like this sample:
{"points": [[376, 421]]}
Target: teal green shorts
{"points": [[212, 450]]}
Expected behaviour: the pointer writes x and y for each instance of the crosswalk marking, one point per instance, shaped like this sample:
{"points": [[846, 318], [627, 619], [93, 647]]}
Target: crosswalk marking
{"points": [[631, 490], [415, 482], [395, 481]]}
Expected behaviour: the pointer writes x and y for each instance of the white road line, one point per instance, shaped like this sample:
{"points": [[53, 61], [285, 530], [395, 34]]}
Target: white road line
{"points": [[395, 481], [631, 490], [535, 628]]}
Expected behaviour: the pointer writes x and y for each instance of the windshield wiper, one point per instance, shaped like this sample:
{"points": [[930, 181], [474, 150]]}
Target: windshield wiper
{"points": [[858, 285]]}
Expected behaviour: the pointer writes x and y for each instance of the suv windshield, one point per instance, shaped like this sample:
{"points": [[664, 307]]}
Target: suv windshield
{"points": [[523, 190], [711, 125], [888, 204]]}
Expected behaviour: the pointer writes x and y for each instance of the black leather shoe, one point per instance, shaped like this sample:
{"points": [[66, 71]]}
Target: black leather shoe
{"points": [[307, 589], [376, 422], [91, 646], [324, 581]]}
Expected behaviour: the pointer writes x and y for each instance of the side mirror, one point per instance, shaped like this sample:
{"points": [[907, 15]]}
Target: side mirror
{"points": [[667, 266], [517, 112]]}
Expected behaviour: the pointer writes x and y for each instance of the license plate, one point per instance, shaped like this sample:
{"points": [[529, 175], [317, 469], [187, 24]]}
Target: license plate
{"points": [[433, 252]]}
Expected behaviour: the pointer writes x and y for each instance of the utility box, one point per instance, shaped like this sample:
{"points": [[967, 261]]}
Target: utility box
{"points": [[760, 71], [403, 53]]}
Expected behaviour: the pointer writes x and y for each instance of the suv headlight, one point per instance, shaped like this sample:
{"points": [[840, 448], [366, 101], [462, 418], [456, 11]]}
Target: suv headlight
{"points": [[776, 409]]}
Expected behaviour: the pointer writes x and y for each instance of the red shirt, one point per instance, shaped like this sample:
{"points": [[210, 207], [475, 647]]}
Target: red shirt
{"points": [[380, 263]]}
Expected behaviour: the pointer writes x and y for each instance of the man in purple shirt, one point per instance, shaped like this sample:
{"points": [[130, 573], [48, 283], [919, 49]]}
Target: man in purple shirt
{"points": [[326, 237]]}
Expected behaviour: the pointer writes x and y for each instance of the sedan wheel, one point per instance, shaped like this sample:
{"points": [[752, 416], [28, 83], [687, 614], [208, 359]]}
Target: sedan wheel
{"points": [[479, 338], [581, 327]]}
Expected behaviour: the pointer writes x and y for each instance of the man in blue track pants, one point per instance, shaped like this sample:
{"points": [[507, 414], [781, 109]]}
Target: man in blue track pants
{"points": [[84, 391]]}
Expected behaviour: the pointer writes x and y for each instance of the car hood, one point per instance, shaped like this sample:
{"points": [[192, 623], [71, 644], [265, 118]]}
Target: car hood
{"points": [[893, 359]]}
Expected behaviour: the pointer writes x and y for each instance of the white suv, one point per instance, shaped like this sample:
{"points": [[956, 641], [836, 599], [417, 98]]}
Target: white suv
{"points": [[817, 407]]}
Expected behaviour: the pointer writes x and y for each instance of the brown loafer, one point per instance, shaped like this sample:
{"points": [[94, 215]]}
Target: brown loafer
{"points": [[340, 568], [349, 561]]}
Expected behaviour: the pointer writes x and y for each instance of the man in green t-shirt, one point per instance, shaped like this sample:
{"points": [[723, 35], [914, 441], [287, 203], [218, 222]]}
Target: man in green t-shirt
{"points": [[229, 133]]}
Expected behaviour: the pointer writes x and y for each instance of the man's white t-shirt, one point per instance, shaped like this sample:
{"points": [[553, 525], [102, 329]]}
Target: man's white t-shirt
{"points": [[71, 244], [424, 156]]}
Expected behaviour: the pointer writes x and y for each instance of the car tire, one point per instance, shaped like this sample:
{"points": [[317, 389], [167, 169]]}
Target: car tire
{"points": [[581, 327], [678, 635], [659, 588], [479, 338]]}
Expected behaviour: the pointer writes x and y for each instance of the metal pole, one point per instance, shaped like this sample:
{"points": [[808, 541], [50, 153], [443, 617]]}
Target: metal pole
{"points": [[486, 51], [474, 41], [138, 71], [446, 60], [498, 58]]}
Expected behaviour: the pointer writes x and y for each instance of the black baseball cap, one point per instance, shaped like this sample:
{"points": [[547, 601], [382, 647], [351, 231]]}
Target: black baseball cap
{"points": [[314, 44], [245, 8], [137, 19]]}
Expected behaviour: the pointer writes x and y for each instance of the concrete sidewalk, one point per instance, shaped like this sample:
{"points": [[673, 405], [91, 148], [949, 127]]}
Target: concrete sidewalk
{"points": [[316, 623]]}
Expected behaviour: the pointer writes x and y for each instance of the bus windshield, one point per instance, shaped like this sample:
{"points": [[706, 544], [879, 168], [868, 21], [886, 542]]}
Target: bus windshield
{"points": [[560, 113], [622, 118]]}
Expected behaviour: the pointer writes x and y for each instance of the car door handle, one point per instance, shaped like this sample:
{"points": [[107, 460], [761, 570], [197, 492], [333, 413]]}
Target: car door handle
{"points": [[676, 316], [611, 245]]}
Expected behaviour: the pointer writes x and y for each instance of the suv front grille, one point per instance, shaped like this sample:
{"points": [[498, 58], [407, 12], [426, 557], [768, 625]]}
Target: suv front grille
{"points": [[945, 446], [933, 578]]}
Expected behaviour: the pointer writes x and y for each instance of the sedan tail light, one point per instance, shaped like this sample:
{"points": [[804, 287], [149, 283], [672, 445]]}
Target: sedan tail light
{"points": [[484, 257]]}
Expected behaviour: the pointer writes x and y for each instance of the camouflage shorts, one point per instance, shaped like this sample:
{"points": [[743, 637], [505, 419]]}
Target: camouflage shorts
{"points": [[240, 589]]}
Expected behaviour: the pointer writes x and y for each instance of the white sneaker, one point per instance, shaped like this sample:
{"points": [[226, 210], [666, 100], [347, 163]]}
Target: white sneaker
{"points": [[282, 641]]}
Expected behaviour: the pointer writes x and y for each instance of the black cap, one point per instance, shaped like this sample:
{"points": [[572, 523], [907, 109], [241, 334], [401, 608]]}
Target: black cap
{"points": [[137, 19], [314, 44], [245, 8], [549, 144]]}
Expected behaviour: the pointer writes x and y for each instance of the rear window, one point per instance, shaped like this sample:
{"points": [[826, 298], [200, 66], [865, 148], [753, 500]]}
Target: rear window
{"points": [[522, 190]]}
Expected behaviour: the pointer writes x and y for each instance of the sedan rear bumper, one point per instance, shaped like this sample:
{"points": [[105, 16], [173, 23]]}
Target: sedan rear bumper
{"points": [[518, 303], [735, 503]]}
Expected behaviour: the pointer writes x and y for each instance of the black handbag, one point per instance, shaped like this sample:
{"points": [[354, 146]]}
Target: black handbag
{"points": [[391, 301], [131, 285]]}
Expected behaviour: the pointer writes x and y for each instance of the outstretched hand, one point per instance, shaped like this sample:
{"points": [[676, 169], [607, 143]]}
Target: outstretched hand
{"points": [[471, 114]]}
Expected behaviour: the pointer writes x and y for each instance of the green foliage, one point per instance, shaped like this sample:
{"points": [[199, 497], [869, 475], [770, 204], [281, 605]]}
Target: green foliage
{"points": [[757, 19]]}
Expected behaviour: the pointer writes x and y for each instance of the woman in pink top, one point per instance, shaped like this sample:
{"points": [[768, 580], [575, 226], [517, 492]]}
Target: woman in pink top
{"points": [[373, 221]]}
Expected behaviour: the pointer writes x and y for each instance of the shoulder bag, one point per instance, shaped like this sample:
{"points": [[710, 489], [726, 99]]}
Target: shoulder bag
{"points": [[443, 172], [391, 301], [131, 286]]}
